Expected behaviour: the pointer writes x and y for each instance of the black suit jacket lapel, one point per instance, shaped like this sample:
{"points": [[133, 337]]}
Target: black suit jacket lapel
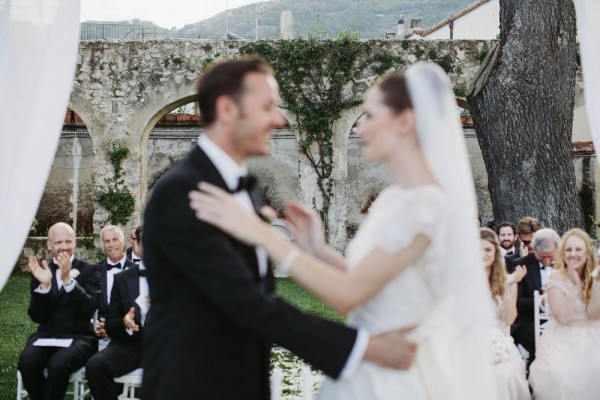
{"points": [[201, 161], [104, 284], [133, 289], [54, 282]]}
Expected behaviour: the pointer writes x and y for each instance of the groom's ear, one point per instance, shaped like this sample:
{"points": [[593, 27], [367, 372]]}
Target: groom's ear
{"points": [[226, 109]]}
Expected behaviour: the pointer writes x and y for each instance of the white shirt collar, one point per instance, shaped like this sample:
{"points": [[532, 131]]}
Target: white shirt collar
{"points": [[230, 170], [121, 261], [133, 255], [142, 266]]}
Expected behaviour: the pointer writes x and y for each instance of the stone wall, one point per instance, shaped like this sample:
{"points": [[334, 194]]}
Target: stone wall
{"points": [[123, 88]]}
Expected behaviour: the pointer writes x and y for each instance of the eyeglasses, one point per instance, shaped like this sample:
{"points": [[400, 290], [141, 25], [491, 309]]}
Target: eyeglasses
{"points": [[526, 242], [133, 238]]}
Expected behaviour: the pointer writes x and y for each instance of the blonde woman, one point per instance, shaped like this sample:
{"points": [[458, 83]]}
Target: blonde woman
{"points": [[567, 364], [509, 368]]}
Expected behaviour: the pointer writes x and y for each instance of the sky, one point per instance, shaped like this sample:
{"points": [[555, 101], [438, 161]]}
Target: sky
{"points": [[164, 13]]}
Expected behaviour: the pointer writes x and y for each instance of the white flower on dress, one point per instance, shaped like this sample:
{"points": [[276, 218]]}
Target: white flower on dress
{"points": [[74, 273], [501, 345]]}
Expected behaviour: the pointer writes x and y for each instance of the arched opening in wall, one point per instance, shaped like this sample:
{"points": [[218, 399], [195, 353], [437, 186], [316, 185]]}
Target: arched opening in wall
{"points": [[69, 192], [176, 131]]}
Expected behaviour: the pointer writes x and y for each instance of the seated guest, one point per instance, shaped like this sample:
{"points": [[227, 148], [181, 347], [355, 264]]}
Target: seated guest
{"points": [[526, 228], [113, 245], [567, 365], [64, 297], [507, 235], [511, 382], [539, 265], [133, 252], [126, 316]]}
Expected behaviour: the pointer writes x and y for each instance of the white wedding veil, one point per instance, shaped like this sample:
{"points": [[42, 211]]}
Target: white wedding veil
{"points": [[460, 345]]}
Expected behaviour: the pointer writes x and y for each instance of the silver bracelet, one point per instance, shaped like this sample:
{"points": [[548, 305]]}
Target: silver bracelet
{"points": [[286, 264]]}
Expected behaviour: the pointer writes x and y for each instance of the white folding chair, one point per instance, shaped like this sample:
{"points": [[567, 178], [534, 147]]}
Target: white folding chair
{"points": [[130, 382], [539, 318], [77, 378]]}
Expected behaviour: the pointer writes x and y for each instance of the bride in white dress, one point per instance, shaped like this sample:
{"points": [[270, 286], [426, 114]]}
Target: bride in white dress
{"points": [[415, 259]]}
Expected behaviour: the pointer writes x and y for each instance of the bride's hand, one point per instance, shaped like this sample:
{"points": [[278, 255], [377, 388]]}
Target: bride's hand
{"points": [[217, 207], [305, 226]]}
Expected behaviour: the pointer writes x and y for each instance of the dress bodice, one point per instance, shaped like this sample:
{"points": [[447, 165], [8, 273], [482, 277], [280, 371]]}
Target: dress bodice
{"points": [[395, 218]]}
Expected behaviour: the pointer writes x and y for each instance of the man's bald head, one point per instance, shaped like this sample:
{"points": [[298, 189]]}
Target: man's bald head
{"points": [[61, 239]]}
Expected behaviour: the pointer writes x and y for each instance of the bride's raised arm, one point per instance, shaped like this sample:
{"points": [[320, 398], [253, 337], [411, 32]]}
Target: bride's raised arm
{"points": [[342, 291]]}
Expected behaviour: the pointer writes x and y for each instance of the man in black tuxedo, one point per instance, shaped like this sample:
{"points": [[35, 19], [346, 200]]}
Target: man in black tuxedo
{"points": [[126, 315], [113, 245], [64, 297], [526, 227], [539, 264], [214, 317], [133, 253]]}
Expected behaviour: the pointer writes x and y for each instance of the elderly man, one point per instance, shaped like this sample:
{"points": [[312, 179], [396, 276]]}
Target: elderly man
{"points": [[63, 300], [113, 245], [126, 316], [539, 264]]}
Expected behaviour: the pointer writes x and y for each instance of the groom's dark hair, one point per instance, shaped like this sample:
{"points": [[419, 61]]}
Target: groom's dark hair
{"points": [[225, 78]]}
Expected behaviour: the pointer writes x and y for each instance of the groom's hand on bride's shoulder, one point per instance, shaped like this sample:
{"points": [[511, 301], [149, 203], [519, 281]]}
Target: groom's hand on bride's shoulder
{"points": [[392, 349]]}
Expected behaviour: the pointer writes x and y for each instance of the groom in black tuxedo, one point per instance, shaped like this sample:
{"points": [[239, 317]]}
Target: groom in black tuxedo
{"points": [[214, 317]]}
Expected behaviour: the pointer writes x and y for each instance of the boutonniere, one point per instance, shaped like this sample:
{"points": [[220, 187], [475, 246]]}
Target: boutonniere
{"points": [[74, 273]]}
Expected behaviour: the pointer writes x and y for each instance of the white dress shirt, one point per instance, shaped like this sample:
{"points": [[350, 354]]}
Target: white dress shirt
{"points": [[110, 275], [231, 172]]}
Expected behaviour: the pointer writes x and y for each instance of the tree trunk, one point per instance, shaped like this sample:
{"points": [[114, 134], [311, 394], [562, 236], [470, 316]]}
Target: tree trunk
{"points": [[522, 105]]}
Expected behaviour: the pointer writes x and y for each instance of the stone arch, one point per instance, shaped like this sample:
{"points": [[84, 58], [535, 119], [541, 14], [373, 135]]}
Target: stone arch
{"points": [[145, 178], [145, 136], [68, 194]]}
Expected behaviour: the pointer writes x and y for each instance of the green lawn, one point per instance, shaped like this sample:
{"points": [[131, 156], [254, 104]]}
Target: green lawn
{"points": [[15, 325], [15, 328]]}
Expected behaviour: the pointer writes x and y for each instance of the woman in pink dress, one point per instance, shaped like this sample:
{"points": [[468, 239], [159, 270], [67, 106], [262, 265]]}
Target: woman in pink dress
{"points": [[567, 363], [509, 368]]}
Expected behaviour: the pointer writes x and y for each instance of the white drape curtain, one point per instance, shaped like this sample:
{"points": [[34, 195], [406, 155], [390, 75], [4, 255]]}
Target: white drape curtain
{"points": [[38, 49], [588, 17]]}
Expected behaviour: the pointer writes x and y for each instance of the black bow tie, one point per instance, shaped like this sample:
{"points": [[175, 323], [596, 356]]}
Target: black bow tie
{"points": [[143, 272], [246, 183], [136, 260], [111, 266], [509, 253]]}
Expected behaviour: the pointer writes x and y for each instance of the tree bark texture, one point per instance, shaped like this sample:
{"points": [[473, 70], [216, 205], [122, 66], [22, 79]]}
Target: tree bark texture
{"points": [[522, 105]]}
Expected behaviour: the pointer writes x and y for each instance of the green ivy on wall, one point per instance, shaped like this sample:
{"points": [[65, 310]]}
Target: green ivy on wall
{"points": [[114, 196], [312, 74]]}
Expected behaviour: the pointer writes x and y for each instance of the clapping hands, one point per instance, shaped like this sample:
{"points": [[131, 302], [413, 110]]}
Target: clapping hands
{"points": [[40, 272], [100, 329], [129, 320], [517, 275]]}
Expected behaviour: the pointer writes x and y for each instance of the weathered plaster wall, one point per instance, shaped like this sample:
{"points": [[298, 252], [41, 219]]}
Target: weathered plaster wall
{"points": [[123, 88]]}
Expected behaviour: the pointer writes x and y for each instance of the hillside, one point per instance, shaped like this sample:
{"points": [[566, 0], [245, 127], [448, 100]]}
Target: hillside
{"points": [[371, 18]]}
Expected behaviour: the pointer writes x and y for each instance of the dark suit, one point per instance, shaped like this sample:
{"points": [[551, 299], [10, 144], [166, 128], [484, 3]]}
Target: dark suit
{"points": [[103, 301], [523, 328], [129, 255], [60, 314], [124, 352], [509, 259], [213, 317]]}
